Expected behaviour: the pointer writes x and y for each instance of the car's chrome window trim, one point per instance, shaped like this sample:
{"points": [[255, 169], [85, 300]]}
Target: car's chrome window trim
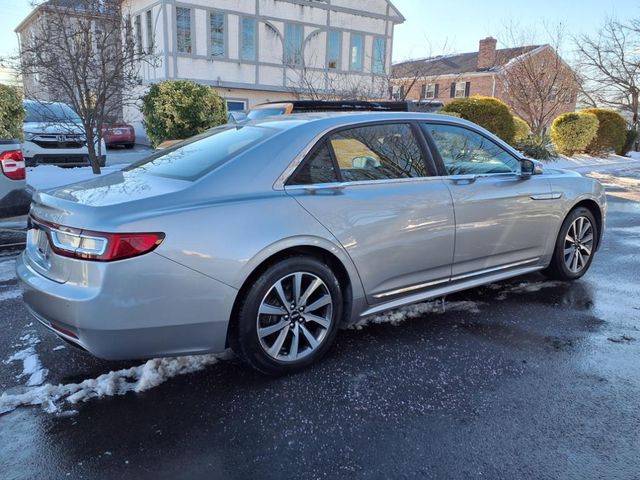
{"points": [[352, 183], [281, 182]]}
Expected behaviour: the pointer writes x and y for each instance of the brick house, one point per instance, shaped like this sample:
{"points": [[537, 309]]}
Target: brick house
{"points": [[487, 72]]}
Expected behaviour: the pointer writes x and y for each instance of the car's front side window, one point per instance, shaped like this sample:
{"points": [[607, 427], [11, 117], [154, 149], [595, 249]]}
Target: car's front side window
{"points": [[465, 152], [378, 152]]}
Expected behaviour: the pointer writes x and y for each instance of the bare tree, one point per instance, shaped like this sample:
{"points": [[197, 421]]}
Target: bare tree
{"points": [[83, 52], [610, 67], [538, 84]]}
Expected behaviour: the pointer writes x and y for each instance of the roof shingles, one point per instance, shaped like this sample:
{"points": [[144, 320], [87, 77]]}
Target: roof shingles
{"points": [[456, 64]]}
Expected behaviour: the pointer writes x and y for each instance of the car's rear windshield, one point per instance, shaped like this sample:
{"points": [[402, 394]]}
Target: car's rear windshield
{"points": [[50, 112], [259, 113], [197, 156]]}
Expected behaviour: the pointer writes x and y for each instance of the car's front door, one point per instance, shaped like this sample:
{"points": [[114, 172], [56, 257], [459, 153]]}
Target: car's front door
{"points": [[371, 187], [503, 219]]}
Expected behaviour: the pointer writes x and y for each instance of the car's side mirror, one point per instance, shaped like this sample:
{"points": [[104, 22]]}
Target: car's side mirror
{"points": [[530, 167]]}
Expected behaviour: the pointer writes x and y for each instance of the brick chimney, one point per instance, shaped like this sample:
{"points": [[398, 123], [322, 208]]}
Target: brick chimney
{"points": [[487, 53]]}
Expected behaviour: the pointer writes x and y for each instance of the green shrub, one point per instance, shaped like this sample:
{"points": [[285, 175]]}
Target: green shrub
{"points": [[487, 112], [522, 130], [12, 113], [630, 140], [539, 148], [177, 109], [572, 132], [612, 131]]}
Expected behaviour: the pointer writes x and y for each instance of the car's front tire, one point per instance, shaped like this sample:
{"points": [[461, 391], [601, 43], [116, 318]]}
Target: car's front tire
{"points": [[289, 317], [575, 246]]}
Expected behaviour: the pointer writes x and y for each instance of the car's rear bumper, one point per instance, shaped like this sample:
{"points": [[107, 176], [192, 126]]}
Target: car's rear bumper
{"points": [[140, 308]]}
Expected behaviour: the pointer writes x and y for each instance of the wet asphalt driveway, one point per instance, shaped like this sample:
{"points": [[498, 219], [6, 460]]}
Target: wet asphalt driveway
{"points": [[524, 379]]}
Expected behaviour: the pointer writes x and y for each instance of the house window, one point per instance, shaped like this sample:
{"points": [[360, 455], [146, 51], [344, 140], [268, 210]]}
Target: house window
{"points": [[235, 105], [217, 32], [334, 50], [149, 21], [553, 94], [293, 38], [461, 89], [357, 52], [138, 32], [248, 38], [378, 55], [397, 92], [183, 29], [430, 90]]}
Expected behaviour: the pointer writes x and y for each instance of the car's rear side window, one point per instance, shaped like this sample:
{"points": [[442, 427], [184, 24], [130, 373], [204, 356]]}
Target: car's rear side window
{"points": [[199, 155], [378, 152], [318, 167]]}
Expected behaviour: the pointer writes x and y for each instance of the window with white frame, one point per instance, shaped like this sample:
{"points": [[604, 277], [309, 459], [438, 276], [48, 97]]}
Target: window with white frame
{"points": [[357, 52], [378, 61], [334, 49], [248, 39], [138, 33], [461, 89], [293, 41], [183, 30], [429, 90], [149, 22], [217, 34]]}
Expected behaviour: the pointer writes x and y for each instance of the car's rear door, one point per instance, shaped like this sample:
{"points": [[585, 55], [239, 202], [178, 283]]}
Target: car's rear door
{"points": [[373, 189], [503, 219]]}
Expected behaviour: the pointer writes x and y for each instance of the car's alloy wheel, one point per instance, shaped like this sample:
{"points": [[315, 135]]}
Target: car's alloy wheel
{"points": [[288, 316], [294, 316], [575, 246], [578, 244]]}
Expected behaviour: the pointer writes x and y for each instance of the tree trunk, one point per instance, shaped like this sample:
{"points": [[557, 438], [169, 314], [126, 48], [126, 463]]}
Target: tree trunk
{"points": [[94, 156]]}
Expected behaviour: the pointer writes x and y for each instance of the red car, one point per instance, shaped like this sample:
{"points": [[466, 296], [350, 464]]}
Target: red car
{"points": [[119, 134]]}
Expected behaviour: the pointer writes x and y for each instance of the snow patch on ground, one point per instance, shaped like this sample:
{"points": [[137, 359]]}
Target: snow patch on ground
{"points": [[396, 317], [7, 270], [31, 365], [10, 294], [50, 176], [135, 379], [634, 155]]}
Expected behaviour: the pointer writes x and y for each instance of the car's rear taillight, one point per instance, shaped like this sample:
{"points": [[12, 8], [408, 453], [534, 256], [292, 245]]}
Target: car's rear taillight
{"points": [[12, 163], [99, 246]]}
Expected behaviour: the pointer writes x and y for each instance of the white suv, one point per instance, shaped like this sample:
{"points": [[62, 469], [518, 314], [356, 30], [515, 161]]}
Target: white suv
{"points": [[53, 135]]}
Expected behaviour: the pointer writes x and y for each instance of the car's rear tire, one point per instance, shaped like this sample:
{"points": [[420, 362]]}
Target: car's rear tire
{"points": [[289, 317], [129, 146], [575, 246]]}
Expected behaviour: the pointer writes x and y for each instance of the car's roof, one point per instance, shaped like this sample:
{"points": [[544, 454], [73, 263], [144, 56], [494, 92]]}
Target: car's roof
{"points": [[28, 100]]}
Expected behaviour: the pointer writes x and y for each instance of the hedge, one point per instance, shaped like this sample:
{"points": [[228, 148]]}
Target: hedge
{"points": [[630, 140], [612, 132], [572, 132], [522, 130], [12, 113], [487, 112], [177, 109]]}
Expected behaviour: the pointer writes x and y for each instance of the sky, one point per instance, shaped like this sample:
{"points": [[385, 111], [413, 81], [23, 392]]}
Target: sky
{"points": [[436, 27]]}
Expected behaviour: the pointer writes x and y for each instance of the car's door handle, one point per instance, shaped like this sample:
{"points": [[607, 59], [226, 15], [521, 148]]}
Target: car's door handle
{"points": [[464, 179]]}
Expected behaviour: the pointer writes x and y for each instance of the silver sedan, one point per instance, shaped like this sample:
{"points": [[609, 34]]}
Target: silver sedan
{"points": [[267, 237]]}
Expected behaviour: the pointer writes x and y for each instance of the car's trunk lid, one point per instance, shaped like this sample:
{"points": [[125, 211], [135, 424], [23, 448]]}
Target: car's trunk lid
{"points": [[110, 203]]}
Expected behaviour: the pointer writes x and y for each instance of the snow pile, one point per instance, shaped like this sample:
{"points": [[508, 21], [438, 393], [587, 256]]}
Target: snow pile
{"points": [[50, 176], [395, 317], [7, 270], [31, 365], [136, 379], [634, 155]]}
